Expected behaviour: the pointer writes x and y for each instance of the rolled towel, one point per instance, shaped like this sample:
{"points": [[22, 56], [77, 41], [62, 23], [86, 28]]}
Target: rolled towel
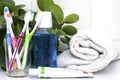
{"points": [[90, 50], [81, 49]]}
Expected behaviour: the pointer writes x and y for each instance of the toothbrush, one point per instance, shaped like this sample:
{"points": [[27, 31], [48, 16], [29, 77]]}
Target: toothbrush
{"points": [[9, 21], [19, 40], [8, 36], [26, 44], [13, 44], [37, 19]]}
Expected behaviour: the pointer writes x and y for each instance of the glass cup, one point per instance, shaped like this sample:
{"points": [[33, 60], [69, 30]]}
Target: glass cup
{"points": [[18, 65]]}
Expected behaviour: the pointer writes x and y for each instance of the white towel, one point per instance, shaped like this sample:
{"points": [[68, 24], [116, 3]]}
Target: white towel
{"points": [[90, 50]]}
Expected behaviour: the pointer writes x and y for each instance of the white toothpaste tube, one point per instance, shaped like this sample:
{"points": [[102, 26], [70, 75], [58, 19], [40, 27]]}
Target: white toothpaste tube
{"points": [[46, 72]]}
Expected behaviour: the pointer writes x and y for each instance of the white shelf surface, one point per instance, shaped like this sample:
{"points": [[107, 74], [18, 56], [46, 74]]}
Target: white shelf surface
{"points": [[111, 72]]}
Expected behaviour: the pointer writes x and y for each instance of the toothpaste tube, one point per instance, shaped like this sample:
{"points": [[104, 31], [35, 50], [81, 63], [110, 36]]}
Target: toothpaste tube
{"points": [[49, 72]]}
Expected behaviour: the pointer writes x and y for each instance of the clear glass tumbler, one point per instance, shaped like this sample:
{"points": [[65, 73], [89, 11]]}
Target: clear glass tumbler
{"points": [[17, 65]]}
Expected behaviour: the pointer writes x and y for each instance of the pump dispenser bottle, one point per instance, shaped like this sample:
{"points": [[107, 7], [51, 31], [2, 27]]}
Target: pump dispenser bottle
{"points": [[45, 43]]}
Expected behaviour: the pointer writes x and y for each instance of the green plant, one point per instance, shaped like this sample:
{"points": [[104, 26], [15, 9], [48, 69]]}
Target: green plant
{"points": [[59, 21]]}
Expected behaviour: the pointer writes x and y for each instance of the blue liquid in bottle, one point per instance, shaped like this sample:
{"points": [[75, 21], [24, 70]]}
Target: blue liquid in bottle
{"points": [[45, 48]]}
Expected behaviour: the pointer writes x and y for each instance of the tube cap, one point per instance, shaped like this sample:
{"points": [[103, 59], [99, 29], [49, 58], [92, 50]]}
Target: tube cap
{"points": [[46, 20], [33, 72]]}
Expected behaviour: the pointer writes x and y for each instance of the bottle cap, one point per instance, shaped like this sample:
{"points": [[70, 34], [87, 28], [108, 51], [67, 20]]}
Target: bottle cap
{"points": [[33, 72], [46, 20]]}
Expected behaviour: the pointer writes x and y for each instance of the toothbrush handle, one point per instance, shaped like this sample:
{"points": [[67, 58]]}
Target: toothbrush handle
{"points": [[12, 61], [13, 41], [8, 40], [27, 39], [24, 60], [9, 52], [18, 61], [19, 41]]}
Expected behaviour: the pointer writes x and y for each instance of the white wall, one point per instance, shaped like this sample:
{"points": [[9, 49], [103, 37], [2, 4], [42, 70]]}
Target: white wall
{"points": [[106, 15]]}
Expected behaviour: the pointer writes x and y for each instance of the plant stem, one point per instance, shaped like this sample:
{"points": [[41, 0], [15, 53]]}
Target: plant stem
{"points": [[60, 25]]}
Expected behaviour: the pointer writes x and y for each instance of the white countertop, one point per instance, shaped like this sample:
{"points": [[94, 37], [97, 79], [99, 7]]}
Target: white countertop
{"points": [[111, 72]]}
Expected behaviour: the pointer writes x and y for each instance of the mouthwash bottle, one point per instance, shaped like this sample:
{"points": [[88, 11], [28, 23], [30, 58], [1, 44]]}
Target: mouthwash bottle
{"points": [[45, 43]]}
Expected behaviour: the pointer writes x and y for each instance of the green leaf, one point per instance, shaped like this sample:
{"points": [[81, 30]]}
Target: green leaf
{"points": [[64, 40], [57, 31], [21, 12], [9, 2], [69, 29], [72, 18], [17, 29], [21, 17], [68, 38], [44, 4], [53, 31], [60, 32], [57, 12], [55, 24]]}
